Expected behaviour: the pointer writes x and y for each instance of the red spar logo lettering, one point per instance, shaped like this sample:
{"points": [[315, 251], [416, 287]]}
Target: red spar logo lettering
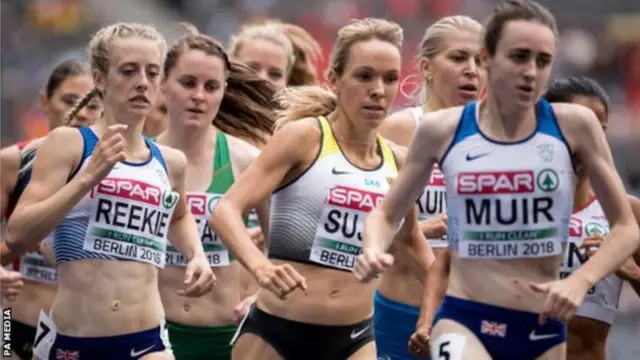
{"points": [[130, 189], [197, 204], [495, 182], [575, 227], [354, 199], [437, 177]]}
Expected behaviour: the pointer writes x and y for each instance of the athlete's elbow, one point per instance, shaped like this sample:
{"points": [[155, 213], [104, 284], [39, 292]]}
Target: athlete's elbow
{"points": [[222, 211]]}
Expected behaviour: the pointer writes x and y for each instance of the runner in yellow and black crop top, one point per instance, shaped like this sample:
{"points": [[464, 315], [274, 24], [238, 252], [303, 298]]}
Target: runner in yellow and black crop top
{"points": [[327, 168], [114, 198], [194, 86]]}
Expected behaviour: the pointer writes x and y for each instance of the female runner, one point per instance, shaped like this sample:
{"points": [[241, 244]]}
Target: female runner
{"points": [[113, 197], [328, 168], [450, 52], [589, 329], [68, 82], [202, 84], [509, 174]]}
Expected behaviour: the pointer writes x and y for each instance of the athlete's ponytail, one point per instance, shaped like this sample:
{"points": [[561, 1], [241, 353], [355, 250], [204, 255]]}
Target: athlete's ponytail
{"points": [[304, 101], [247, 107], [246, 110], [68, 118]]}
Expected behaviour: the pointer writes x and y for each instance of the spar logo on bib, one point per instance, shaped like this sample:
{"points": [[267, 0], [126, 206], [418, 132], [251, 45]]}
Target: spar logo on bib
{"points": [[169, 199], [575, 227], [495, 182], [354, 199], [594, 228], [199, 205], [133, 190], [437, 177]]}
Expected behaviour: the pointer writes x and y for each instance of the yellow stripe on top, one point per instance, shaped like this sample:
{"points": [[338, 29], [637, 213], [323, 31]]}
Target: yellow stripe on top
{"points": [[330, 144]]}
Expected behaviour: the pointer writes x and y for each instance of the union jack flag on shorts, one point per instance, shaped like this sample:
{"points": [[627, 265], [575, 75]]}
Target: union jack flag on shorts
{"points": [[493, 328], [67, 355]]}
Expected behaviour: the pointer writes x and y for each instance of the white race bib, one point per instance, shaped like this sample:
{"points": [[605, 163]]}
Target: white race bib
{"points": [[45, 337], [201, 206], [338, 238], [130, 220], [448, 346], [33, 267]]}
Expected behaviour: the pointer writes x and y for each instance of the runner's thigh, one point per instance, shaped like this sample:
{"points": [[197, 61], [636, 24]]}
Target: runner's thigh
{"points": [[452, 341], [558, 352], [251, 347], [367, 352]]}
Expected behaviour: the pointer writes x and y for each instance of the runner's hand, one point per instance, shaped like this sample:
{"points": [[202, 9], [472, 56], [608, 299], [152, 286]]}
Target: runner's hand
{"points": [[198, 278], [279, 279], [563, 297], [240, 311], [627, 271], [108, 151], [420, 341], [371, 263], [10, 283], [434, 227]]}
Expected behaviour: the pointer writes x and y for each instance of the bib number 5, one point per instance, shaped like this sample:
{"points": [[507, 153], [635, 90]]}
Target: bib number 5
{"points": [[448, 347], [45, 337]]}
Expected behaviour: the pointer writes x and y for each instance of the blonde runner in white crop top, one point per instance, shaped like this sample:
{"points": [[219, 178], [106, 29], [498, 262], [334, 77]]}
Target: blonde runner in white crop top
{"points": [[432, 202], [601, 301]]}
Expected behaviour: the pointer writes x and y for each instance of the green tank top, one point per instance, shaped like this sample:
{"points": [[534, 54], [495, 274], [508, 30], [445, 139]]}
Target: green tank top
{"points": [[201, 205]]}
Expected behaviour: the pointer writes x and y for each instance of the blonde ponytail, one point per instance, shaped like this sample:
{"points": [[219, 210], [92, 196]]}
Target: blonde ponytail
{"points": [[303, 101]]}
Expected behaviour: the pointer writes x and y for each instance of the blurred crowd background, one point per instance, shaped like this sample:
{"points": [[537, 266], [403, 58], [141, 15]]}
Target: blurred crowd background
{"points": [[599, 38]]}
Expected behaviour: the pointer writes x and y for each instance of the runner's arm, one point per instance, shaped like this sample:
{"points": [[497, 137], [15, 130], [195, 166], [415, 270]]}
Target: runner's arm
{"points": [[9, 167], [47, 253], [288, 148], [635, 206], [183, 232], [591, 144], [49, 196], [435, 288], [424, 149], [415, 247]]}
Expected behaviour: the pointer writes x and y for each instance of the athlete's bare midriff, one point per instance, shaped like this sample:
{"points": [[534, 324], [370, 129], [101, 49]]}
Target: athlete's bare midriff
{"points": [[212, 309], [503, 283], [99, 298], [33, 297], [587, 339], [333, 297]]}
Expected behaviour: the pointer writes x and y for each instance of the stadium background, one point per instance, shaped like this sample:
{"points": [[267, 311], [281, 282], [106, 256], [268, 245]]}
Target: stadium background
{"points": [[599, 38]]}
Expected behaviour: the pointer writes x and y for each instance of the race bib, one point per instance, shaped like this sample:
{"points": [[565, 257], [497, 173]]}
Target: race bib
{"points": [[201, 206], [448, 346], [574, 257], [510, 214], [130, 220], [33, 267], [338, 238], [45, 337]]}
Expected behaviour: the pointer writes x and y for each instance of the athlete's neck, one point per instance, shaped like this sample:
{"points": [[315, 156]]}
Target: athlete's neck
{"points": [[133, 140], [583, 194], [194, 143], [433, 104], [503, 123], [362, 142]]}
